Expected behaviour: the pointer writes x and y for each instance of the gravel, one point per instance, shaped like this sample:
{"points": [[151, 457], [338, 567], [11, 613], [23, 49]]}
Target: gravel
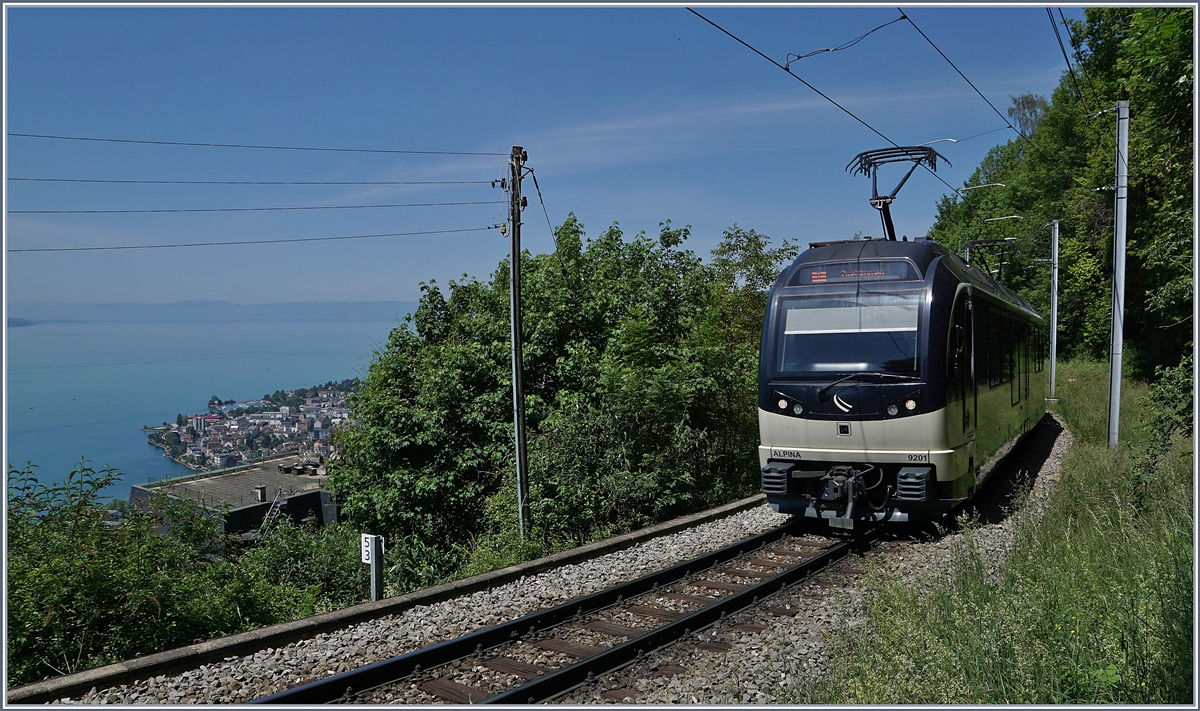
{"points": [[759, 667], [244, 678]]}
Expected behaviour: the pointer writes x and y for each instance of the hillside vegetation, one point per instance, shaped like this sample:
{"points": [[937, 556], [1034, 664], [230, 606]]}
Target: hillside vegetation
{"points": [[640, 372], [1093, 602], [1065, 170]]}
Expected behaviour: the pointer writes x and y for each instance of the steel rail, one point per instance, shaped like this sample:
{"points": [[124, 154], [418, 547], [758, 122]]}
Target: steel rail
{"points": [[347, 684], [567, 678]]}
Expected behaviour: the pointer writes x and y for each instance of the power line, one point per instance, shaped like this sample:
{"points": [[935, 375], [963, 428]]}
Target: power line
{"points": [[255, 241], [1078, 58], [815, 89], [257, 182], [745, 44], [977, 91], [249, 209], [964, 76], [260, 147], [544, 211], [1002, 128], [839, 48], [1070, 69]]}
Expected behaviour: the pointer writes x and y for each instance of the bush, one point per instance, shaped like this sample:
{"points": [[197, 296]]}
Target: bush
{"points": [[640, 366], [1093, 604], [85, 589]]}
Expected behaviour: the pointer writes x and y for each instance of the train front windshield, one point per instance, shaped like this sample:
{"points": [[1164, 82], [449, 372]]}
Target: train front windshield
{"points": [[823, 335]]}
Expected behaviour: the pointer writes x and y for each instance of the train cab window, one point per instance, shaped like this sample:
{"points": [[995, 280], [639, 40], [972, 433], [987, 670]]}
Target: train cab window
{"points": [[856, 271], [861, 330]]}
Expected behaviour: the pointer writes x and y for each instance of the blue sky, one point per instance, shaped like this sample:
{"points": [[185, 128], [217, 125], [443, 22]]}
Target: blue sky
{"points": [[631, 115]]}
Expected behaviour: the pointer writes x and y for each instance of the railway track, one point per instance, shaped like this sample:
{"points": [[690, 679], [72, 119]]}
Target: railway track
{"points": [[761, 664], [547, 653]]}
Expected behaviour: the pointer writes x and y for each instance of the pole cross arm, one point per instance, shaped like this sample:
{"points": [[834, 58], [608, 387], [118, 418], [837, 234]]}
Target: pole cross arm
{"points": [[977, 243]]}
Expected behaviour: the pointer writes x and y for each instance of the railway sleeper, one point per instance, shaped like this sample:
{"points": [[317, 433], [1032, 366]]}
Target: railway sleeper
{"points": [[547, 682]]}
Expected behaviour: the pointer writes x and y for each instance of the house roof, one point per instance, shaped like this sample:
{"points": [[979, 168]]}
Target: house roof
{"points": [[236, 488]]}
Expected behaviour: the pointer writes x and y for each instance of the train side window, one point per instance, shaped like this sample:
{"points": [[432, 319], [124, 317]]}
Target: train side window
{"points": [[1011, 341], [1041, 350], [998, 351], [959, 385], [1001, 349], [1018, 357]]}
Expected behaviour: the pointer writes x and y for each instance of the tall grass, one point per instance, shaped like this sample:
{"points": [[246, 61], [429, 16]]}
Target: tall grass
{"points": [[1092, 604]]}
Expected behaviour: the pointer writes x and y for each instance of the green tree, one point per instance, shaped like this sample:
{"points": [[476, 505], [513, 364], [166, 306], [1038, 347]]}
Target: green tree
{"points": [[1065, 171], [640, 365], [1027, 111]]}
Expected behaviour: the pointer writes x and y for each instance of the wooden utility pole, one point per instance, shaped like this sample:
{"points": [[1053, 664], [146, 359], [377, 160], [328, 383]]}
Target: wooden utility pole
{"points": [[516, 164]]}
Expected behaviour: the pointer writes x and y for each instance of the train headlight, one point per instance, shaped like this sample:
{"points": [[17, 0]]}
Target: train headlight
{"points": [[893, 410], [782, 404], [910, 405], [798, 409]]}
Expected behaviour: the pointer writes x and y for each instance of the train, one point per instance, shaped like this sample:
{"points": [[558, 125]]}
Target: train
{"points": [[893, 376]]}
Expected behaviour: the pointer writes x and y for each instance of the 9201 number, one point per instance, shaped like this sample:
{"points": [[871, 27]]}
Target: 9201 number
{"points": [[918, 457]]}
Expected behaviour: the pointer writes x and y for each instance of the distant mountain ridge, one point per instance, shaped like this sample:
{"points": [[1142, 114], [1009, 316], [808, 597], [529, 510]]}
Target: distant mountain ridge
{"points": [[212, 312]]}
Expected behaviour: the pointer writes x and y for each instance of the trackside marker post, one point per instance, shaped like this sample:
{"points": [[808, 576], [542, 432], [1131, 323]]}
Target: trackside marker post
{"points": [[372, 554]]}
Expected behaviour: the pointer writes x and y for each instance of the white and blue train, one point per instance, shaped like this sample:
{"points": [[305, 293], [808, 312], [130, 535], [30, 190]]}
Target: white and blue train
{"points": [[893, 376]]}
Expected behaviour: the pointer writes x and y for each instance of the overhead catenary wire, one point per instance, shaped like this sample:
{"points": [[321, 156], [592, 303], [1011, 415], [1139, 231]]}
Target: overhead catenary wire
{"points": [[797, 57], [250, 209], [1078, 58], [254, 182], [977, 135], [1070, 69], [254, 146], [253, 241], [972, 85], [849, 113], [964, 76]]}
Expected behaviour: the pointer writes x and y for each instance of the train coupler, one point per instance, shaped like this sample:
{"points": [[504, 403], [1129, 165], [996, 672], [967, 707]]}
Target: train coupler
{"points": [[846, 497]]}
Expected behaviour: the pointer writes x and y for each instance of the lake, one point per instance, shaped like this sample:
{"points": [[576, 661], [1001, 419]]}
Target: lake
{"points": [[87, 389]]}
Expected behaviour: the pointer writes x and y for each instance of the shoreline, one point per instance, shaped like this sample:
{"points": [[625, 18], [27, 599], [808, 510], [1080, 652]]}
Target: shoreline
{"points": [[167, 453]]}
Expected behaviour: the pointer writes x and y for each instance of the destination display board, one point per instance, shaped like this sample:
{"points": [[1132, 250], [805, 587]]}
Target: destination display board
{"points": [[840, 272]]}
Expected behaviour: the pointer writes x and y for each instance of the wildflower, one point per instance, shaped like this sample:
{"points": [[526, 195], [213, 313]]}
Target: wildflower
{"points": [[1072, 631]]}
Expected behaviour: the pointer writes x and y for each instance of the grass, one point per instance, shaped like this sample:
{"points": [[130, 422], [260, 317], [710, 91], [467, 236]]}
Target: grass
{"points": [[1092, 605]]}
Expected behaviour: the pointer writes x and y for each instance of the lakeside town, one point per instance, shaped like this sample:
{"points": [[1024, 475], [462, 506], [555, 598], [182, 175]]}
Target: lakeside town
{"points": [[284, 422]]}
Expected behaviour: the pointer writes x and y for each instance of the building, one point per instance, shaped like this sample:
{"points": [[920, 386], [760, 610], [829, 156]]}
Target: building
{"points": [[246, 493]]}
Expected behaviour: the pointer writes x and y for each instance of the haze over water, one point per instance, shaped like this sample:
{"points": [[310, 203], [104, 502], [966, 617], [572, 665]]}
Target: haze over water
{"points": [[87, 389]]}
